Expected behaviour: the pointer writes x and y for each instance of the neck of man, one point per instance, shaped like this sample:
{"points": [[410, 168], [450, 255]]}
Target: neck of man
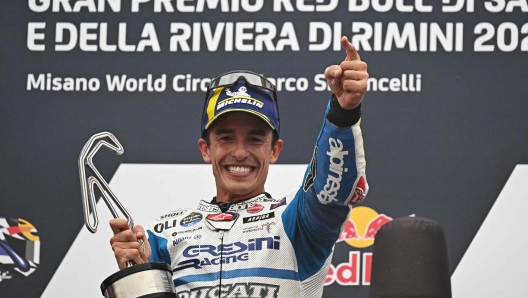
{"points": [[225, 196]]}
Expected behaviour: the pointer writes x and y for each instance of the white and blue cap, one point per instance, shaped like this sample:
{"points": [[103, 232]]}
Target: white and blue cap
{"points": [[241, 91]]}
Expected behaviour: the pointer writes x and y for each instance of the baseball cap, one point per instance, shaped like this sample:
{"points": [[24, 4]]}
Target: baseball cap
{"points": [[241, 91]]}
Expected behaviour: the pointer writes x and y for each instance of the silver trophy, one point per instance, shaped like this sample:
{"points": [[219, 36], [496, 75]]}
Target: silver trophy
{"points": [[147, 280]]}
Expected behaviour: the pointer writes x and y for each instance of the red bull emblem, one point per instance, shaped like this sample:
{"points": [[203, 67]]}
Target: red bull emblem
{"points": [[359, 232], [362, 226]]}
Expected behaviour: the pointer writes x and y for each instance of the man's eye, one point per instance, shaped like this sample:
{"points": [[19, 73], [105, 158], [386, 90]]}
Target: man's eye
{"points": [[256, 140]]}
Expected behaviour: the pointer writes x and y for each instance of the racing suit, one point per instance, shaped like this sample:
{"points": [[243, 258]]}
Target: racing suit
{"points": [[265, 247]]}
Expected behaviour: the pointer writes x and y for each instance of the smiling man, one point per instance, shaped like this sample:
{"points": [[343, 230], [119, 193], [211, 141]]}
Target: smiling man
{"points": [[246, 243]]}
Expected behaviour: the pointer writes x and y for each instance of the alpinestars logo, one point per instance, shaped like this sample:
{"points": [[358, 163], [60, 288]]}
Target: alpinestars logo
{"points": [[333, 182], [253, 290]]}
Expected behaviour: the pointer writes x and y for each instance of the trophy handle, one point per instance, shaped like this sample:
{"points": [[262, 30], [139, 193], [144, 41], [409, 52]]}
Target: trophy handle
{"points": [[89, 184]]}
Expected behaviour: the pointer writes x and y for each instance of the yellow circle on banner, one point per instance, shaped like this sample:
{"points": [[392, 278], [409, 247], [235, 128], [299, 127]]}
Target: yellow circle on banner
{"points": [[360, 217]]}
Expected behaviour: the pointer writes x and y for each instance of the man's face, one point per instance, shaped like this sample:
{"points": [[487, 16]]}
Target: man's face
{"points": [[240, 151]]}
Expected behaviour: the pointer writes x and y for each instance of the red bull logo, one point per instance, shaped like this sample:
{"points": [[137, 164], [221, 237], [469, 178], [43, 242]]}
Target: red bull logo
{"points": [[359, 232]]}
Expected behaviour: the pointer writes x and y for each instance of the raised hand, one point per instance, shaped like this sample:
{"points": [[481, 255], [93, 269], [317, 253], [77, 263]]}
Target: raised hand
{"points": [[348, 81]]}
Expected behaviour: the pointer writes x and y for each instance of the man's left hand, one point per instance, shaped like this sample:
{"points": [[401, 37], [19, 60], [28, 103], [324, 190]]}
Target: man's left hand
{"points": [[348, 81]]}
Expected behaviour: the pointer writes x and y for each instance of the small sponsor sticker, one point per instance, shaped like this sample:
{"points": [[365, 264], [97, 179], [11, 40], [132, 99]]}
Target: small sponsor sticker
{"points": [[259, 217], [255, 208], [171, 214], [191, 219], [280, 203], [186, 231], [226, 216]]}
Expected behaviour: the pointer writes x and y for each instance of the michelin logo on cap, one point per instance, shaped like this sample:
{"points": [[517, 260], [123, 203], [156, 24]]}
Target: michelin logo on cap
{"points": [[240, 96]]}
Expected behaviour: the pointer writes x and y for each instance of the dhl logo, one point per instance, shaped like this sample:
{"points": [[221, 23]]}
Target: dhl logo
{"points": [[359, 232]]}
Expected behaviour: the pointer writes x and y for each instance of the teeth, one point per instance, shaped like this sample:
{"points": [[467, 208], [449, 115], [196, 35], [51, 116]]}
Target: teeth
{"points": [[239, 170]]}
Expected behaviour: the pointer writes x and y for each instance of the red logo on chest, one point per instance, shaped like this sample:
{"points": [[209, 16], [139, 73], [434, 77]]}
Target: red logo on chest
{"points": [[255, 208], [220, 217]]}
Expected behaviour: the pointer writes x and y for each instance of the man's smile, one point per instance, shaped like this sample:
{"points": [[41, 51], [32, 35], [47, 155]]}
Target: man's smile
{"points": [[239, 169]]}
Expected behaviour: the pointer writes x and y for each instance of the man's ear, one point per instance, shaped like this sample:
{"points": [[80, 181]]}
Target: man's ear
{"points": [[202, 144], [275, 151]]}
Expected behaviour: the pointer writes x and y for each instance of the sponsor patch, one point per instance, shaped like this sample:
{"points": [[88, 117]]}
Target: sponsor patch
{"points": [[208, 208], [253, 290], [180, 240], [191, 219], [252, 229], [260, 227], [186, 231], [226, 216], [172, 214], [258, 217], [280, 203], [268, 226], [248, 204], [255, 208], [199, 256], [162, 226]]}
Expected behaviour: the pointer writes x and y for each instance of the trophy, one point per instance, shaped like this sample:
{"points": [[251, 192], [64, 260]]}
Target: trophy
{"points": [[149, 280]]}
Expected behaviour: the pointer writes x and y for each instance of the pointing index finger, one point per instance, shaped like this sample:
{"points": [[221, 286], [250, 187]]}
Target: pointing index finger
{"points": [[350, 49]]}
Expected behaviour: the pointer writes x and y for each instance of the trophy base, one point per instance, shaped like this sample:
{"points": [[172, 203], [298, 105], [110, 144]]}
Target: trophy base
{"points": [[149, 280]]}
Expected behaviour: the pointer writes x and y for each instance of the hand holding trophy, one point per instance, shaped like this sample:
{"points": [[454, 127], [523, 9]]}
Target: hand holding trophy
{"points": [[148, 280]]}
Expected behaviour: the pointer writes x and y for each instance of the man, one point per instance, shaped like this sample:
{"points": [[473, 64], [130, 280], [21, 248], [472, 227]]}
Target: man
{"points": [[245, 243]]}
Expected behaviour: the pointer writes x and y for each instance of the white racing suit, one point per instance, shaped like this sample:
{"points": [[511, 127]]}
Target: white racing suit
{"points": [[263, 247]]}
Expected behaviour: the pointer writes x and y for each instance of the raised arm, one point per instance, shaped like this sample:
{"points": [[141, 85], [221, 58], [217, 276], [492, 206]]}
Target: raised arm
{"points": [[335, 179]]}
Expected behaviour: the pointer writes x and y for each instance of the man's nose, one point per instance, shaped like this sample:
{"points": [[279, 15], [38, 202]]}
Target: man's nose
{"points": [[240, 151]]}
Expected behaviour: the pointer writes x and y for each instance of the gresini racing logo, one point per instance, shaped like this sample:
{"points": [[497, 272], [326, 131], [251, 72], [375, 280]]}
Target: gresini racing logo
{"points": [[204, 255], [250, 290], [333, 182]]}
